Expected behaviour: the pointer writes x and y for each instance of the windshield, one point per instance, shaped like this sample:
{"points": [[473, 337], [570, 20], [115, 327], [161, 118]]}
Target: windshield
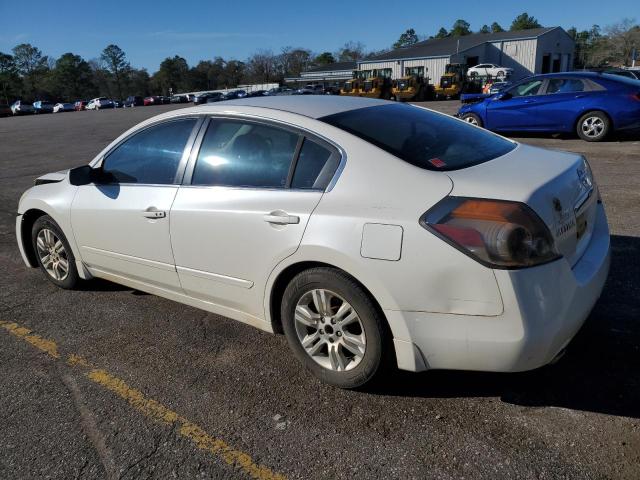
{"points": [[423, 138]]}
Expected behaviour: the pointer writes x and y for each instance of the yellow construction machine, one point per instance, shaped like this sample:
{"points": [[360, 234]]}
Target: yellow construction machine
{"points": [[354, 86], [413, 87], [378, 84]]}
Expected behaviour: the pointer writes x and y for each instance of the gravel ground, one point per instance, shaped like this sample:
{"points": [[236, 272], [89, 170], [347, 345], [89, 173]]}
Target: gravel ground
{"points": [[136, 386]]}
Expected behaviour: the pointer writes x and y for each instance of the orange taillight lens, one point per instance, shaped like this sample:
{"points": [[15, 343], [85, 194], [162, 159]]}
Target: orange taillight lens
{"points": [[497, 233]]}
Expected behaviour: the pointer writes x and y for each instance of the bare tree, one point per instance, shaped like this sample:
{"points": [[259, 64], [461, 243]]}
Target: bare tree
{"points": [[622, 38]]}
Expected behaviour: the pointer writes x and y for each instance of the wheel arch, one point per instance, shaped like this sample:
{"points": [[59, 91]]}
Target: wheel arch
{"points": [[289, 272], [28, 220]]}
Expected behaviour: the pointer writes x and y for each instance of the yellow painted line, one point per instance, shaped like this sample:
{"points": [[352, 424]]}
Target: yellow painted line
{"points": [[150, 408]]}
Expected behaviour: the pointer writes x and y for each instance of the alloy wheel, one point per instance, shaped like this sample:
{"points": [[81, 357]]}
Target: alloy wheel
{"points": [[330, 330], [53, 255], [471, 119], [592, 127]]}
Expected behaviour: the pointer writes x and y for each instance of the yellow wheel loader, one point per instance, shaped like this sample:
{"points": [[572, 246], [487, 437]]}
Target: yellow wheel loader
{"points": [[413, 87], [377, 84]]}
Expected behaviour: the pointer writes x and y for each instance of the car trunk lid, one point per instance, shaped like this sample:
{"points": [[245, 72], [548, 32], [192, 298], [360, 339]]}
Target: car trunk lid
{"points": [[556, 185]]}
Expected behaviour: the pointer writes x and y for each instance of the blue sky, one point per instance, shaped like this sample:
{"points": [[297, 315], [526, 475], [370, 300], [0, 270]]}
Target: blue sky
{"points": [[148, 31]]}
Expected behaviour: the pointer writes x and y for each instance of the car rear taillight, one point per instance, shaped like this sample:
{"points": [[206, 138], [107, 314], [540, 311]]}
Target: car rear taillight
{"points": [[496, 233]]}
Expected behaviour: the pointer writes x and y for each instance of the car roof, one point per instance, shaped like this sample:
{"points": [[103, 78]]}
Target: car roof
{"points": [[314, 106]]}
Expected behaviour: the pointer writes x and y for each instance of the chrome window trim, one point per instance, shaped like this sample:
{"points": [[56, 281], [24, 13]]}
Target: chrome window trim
{"points": [[313, 136]]}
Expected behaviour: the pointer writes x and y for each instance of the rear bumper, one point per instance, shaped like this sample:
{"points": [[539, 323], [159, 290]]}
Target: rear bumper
{"points": [[544, 307]]}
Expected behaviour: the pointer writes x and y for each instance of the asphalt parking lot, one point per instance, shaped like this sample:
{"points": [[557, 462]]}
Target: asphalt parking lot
{"points": [[107, 382]]}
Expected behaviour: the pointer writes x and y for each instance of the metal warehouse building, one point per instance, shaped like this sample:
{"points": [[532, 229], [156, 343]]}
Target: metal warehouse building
{"points": [[332, 73], [539, 50]]}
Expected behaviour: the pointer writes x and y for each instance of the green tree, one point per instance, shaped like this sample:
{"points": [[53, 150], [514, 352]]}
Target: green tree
{"points": [[138, 82], [407, 38], [484, 29], [10, 82], [32, 65], [325, 58], [115, 61], [496, 28], [460, 27], [524, 21], [173, 75], [71, 78], [442, 33]]}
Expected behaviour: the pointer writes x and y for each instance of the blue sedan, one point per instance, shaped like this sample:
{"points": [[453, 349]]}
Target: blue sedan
{"points": [[590, 104]]}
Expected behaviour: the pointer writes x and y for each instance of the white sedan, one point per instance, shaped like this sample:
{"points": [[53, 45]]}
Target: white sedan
{"points": [[63, 107], [489, 69], [370, 233], [100, 103]]}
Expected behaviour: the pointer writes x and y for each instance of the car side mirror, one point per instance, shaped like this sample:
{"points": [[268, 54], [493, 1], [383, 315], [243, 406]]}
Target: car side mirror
{"points": [[85, 175], [503, 96]]}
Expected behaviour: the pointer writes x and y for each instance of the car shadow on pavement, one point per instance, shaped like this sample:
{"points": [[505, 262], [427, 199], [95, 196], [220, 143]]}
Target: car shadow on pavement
{"points": [[630, 136], [599, 373], [100, 285]]}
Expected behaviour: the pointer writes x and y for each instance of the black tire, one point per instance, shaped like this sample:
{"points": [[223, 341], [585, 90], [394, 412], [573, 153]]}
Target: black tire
{"points": [[472, 118], [378, 340], [593, 126], [71, 279]]}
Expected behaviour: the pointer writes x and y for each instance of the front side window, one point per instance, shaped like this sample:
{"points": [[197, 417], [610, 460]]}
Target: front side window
{"points": [[526, 89], [565, 85], [243, 154], [423, 138], [151, 156]]}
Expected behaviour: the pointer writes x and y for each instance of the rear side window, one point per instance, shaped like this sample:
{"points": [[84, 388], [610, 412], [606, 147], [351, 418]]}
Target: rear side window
{"points": [[243, 154], [423, 138], [151, 156], [315, 167]]}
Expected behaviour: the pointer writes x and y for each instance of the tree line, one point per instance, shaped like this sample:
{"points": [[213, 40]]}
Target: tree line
{"points": [[27, 73]]}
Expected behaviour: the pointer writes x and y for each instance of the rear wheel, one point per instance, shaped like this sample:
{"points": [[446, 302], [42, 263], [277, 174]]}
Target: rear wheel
{"points": [[472, 118], [334, 328], [54, 254], [593, 126]]}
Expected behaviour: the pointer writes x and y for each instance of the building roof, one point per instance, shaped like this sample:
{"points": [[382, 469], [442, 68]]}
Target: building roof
{"points": [[314, 106], [333, 67], [441, 47]]}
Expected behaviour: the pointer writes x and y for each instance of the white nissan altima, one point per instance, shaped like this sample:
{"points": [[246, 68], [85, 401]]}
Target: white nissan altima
{"points": [[368, 232]]}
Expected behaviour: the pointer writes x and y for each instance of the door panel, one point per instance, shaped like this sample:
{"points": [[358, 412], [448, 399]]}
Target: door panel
{"points": [[516, 108], [124, 229], [519, 113], [227, 240]]}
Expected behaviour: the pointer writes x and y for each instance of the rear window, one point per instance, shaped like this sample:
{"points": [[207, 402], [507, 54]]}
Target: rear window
{"points": [[423, 138]]}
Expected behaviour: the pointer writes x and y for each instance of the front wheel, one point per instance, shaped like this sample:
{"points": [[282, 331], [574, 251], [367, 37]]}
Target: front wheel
{"points": [[54, 254], [593, 126], [472, 118], [334, 328]]}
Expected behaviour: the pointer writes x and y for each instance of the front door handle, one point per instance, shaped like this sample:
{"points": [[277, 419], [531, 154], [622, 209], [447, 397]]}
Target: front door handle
{"points": [[281, 218], [153, 212]]}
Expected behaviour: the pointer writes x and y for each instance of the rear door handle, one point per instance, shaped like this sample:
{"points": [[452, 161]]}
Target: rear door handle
{"points": [[281, 218], [153, 212]]}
